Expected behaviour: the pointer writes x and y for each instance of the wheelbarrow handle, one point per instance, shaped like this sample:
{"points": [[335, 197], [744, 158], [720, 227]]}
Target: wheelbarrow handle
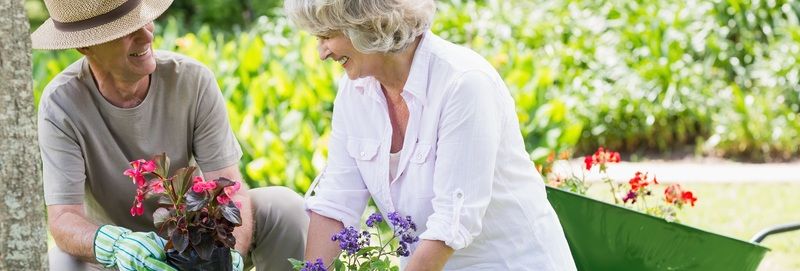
{"points": [[774, 230]]}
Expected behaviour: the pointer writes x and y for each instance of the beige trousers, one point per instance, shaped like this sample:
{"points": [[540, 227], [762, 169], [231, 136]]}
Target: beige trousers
{"points": [[281, 224]]}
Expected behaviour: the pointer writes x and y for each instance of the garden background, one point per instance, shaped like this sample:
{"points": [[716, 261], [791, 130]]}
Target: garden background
{"points": [[670, 79]]}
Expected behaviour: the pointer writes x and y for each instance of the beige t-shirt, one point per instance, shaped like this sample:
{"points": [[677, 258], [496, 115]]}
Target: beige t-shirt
{"points": [[86, 142]]}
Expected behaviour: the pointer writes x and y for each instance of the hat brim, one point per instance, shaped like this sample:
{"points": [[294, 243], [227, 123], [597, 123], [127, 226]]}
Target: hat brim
{"points": [[48, 37]]}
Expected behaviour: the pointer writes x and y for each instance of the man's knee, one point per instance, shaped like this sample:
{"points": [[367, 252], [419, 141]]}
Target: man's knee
{"points": [[278, 206]]}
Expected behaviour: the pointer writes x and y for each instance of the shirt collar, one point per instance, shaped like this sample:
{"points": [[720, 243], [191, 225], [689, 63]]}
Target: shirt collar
{"points": [[417, 81], [418, 76]]}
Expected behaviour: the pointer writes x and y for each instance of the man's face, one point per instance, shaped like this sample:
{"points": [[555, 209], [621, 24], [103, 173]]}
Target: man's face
{"points": [[128, 58]]}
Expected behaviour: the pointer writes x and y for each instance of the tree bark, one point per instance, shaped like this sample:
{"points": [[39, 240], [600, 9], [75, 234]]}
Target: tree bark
{"points": [[23, 238]]}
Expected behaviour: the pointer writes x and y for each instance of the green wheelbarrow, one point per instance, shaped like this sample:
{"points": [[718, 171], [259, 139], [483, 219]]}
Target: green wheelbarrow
{"points": [[604, 236]]}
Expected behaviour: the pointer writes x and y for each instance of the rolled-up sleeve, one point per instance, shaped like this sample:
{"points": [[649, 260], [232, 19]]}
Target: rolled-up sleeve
{"points": [[469, 135], [341, 193]]}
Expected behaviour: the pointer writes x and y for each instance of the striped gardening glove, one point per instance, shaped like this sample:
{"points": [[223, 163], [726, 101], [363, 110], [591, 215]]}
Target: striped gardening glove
{"points": [[236, 260], [130, 251]]}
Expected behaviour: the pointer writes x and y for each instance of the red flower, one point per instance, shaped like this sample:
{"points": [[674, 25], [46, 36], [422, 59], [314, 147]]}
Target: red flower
{"points": [[601, 157], [588, 161], [640, 181], [687, 196], [674, 194]]}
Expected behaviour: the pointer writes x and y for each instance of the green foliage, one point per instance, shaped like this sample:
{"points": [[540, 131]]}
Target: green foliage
{"points": [[636, 76], [628, 75]]}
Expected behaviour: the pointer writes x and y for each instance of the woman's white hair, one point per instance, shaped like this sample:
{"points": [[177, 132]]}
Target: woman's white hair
{"points": [[373, 26]]}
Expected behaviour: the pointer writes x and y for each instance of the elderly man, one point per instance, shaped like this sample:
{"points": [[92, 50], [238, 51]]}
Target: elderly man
{"points": [[122, 102]]}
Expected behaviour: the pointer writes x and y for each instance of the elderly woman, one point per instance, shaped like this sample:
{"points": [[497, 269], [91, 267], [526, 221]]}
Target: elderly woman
{"points": [[427, 129]]}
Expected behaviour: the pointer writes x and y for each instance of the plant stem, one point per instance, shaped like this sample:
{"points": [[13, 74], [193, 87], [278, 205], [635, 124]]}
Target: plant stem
{"points": [[613, 190]]}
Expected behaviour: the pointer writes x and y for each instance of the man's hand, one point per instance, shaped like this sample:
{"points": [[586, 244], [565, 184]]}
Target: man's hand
{"points": [[130, 251]]}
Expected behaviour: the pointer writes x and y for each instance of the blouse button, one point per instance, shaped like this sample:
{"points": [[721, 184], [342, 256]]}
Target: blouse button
{"points": [[363, 154]]}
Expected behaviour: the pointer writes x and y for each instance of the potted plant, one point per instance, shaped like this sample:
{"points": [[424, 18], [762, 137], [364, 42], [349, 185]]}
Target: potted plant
{"points": [[639, 231], [195, 216]]}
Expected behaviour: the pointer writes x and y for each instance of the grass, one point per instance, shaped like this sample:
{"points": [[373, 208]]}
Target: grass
{"points": [[740, 211]]}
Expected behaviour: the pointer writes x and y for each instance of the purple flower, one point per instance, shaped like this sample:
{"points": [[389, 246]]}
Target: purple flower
{"points": [[350, 240], [631, 196], [404, 229], [374, 219], [315, 266]]}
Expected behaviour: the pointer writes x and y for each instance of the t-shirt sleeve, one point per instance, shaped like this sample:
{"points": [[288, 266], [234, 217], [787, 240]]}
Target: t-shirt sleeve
{"points": [[63, 170], [215, 146]]}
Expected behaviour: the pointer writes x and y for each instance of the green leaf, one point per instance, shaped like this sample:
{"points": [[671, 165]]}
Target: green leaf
{"points": [[297, 264], [338, 265], [379, 265]]}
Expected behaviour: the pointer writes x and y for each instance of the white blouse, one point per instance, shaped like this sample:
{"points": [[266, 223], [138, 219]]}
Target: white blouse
{"points": [[463, 175]]}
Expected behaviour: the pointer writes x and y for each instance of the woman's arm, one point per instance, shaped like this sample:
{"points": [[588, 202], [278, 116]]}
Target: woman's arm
{"points": [[430, 255], [319, 244], [467, 145]]}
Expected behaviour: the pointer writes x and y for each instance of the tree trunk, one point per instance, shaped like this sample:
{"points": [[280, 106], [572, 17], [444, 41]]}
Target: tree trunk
{"points": [[23, 239]]}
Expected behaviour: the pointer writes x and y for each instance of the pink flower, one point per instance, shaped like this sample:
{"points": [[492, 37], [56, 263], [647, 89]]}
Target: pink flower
{"points": [[201, 185], [138, 205], [140, 167], [229, 192], [157, 186], [223, 199]]}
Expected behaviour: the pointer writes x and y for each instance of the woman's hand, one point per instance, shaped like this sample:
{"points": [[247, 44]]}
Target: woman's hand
{"points": [[430, 255]]}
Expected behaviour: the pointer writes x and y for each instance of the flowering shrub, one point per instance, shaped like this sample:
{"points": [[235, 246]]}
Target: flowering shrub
{"points": [[357, 251], [195, 215], [635, 193]]}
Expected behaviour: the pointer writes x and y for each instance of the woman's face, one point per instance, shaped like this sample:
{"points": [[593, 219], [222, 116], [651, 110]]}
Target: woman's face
{"points": [[338, 47]]}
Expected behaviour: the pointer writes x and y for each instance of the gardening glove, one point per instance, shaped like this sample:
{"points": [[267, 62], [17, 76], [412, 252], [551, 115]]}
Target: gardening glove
{"points": [[236, 260], [130, 251]]}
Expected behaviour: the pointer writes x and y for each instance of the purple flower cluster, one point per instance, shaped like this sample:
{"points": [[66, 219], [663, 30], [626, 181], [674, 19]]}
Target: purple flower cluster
{"points": [[404, 229], [315, 266], [351, 240], [374, 219]]}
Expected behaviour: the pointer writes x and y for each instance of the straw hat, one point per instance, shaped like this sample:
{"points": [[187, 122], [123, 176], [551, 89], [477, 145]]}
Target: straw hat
{"points": [[83, 23]]}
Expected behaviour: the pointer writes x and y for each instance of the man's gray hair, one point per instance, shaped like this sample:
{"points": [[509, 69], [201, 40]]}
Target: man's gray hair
{"points": [[373, 26]]}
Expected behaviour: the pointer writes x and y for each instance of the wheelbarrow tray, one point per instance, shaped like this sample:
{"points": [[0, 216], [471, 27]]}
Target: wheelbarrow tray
{"points": [[604, 236]]}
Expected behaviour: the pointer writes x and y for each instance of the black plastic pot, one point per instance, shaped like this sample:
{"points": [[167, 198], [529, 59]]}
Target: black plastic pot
{"points": [[220, 260]]}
